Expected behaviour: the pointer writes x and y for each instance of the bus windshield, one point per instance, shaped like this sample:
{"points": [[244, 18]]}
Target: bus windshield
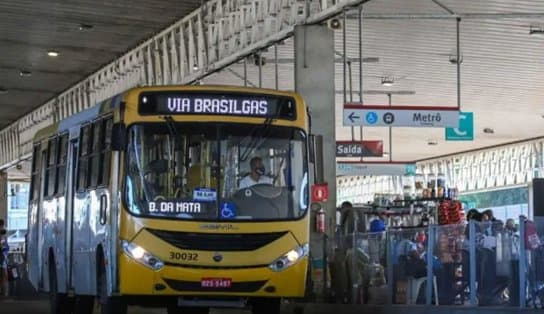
{"points": [[213, 171]]}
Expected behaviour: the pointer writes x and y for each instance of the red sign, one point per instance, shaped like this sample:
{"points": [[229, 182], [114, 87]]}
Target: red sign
{"points": [[359, 148], [216, 282], [320, 192]]}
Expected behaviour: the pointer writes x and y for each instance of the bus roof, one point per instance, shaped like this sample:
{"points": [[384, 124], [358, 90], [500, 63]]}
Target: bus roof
{"points": [[89, 114]]}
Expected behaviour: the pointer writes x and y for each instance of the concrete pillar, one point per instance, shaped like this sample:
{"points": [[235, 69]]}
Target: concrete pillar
{"points": [[4, 196], [314, 80]]}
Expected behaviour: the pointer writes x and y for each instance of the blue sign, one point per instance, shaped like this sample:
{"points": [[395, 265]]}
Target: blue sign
{"points": [[465, 131], [204, 195], [228, 210], [371, 117]]}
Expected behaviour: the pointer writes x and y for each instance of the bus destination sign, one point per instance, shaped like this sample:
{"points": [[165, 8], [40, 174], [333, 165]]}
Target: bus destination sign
{"points": [[217, 104]]}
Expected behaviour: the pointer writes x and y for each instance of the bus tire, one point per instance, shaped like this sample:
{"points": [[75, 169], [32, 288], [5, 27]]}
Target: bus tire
{"points": [[83, 304], [174, 309], [108, 304], [266, 306], [59, 303]]}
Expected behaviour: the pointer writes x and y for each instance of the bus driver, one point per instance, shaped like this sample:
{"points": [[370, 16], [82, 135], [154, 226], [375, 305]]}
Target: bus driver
{"points": [[256, 176]]}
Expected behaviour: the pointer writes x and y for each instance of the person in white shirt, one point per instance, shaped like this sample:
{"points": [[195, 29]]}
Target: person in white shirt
{"points": [[256, 176]]}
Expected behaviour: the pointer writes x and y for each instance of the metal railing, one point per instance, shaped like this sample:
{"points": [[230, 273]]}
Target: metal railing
{"points": [[472, 264]]}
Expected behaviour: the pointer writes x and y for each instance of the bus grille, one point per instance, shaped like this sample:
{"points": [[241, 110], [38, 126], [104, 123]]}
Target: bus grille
{"points": [[217, 241], [244, 286]]}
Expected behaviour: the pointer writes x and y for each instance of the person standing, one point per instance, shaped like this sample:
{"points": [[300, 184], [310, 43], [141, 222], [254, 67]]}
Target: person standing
{"points": [[4, 249]]}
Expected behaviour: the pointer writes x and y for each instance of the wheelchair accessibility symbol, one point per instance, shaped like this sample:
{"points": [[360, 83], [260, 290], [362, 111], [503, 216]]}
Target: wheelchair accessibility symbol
{"points": [[371, 117], [228, 210]]}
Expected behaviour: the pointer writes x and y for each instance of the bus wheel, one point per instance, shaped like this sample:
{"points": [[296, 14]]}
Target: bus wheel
{"points": [[83, 304], [59, 303], [107, 304], [266, 306], [174, 309]]}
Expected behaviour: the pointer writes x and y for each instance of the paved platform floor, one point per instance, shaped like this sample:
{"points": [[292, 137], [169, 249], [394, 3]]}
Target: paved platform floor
{"points": [[41, 307]]}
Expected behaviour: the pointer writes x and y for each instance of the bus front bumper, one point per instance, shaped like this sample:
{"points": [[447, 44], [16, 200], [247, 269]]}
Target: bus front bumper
{"points": [[174, 280]]}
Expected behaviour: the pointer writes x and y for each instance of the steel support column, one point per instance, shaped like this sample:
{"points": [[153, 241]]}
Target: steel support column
{"points": [[314, 80]]}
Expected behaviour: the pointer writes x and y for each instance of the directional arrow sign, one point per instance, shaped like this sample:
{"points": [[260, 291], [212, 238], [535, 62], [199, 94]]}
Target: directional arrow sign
{"points": [[465, 131], [407, 116], [352, 117]]}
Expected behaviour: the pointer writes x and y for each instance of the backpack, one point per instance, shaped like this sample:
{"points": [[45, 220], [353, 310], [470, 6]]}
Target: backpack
{"points": [[532, 241]]}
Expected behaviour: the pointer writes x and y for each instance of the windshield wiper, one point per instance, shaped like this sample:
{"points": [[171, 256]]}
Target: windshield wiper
{"points": [[257, 134]]}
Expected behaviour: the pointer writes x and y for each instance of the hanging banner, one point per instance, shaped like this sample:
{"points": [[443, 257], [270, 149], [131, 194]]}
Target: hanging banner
{"points": [[359, 148], [375, 169], [405, 116]]}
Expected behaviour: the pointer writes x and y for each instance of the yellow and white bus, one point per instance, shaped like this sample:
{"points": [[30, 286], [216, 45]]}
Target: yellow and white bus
{"points": [[185, 197]]}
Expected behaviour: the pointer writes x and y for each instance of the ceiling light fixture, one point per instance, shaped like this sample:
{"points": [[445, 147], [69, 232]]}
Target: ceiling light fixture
{"points": [[84, 26], [25, 73], [53, 53], [453, 59], [334, 24], [387, 81], [536, 30]]}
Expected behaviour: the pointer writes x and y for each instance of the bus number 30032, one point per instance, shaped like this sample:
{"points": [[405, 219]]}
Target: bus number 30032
{"points": [[184, 256]]}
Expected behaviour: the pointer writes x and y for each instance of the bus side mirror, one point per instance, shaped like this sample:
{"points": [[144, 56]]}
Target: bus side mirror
{"points": [[118, 136], [311, 148], [316, 156]]}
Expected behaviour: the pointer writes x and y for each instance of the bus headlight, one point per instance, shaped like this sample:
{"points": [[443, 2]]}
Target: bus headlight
{"points": [[140, 255], [290, 258]]}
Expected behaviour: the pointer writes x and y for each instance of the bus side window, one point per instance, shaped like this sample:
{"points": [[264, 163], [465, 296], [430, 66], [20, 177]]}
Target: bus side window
{"points": [[83, 158], [61, 164], [35, 181], [50, 170], [94, 156], [105, 155]]}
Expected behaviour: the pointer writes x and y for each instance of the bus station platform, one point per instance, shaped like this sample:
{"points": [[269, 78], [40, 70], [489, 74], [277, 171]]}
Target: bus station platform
{"points": [[12, 306]]}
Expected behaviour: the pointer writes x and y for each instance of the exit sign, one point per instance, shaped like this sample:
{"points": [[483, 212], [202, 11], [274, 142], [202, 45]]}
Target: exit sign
{"points": [[359, 149]]}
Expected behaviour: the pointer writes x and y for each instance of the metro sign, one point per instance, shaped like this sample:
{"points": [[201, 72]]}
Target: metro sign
{"points": [[405, 116], [359, 148]]}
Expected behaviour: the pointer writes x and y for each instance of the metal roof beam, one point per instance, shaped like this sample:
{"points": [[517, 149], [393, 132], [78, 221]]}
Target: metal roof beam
{"points": [[443, 6], [473, 16]]}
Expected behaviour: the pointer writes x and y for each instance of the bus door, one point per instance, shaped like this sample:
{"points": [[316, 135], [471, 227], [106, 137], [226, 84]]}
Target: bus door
{"points": [[70, 194], [34, 238]]}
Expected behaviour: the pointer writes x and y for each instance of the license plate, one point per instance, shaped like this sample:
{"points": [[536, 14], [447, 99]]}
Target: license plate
{"points": [[216, 282]]}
